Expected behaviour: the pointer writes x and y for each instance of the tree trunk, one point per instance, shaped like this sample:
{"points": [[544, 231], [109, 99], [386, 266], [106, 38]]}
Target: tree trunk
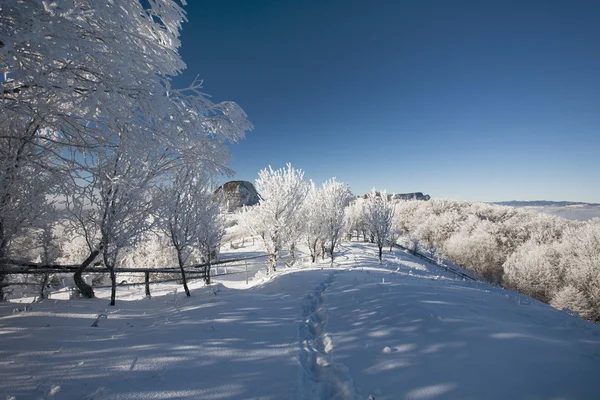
{"points": [[2, 266], [86, 290], [312, 246], [2, 277], [292, 254], [147, 283], [45, 278], [322, 250], [380, 253], [183, 279], [207, 276], [272, 263], [331, 252], [113, 285]]}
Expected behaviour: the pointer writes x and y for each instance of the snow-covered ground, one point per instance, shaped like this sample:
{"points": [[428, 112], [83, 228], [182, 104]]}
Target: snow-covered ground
{"points": [[402, 330]]}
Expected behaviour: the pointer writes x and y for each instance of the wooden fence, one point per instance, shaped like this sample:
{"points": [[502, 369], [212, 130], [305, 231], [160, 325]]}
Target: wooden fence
{"points": [[196, 271]]}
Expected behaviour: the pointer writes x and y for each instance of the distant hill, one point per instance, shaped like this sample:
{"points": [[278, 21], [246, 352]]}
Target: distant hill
{"points": [[543, 203]]}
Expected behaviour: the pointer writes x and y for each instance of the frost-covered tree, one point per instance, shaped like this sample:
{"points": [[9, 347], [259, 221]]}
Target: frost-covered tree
{"points": [[49, 250], [153, 250], [282, 193], [71, 63], [189, 216], [580, 250], [379, 213], [28, 178], [334, 198], [313, 215], [293, 232], [535, 270], [79, 78], [112, 206], [355, 219], [571, 298]]}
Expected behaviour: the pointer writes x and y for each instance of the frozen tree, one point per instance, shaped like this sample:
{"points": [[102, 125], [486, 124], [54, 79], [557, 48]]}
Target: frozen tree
{"points": [[379, 212], [580, 250], [355, 219], [189, 216], [313, 216], [111, 203], [28, 177], [281, 194], [571, 298], [535, 270], [78, 66], [394, 235], [153, 250], [82, 68], [334, 198], [39, 244], [50, 251], [293, 231], [79, 76], [475, 247]]}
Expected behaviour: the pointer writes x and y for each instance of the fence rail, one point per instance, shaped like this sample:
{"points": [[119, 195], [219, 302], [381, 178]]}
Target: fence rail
{"points": [[196, 271]]}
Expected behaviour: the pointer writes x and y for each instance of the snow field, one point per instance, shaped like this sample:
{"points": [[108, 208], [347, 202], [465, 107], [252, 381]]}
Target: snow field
{"points": [[360, 330]]}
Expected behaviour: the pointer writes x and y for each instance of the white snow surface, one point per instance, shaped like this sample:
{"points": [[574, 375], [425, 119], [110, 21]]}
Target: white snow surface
{"points": [[358, 330]]}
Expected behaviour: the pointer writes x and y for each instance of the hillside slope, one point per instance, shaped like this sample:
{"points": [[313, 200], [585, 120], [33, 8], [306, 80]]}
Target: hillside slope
{"points": [[403, 330]]}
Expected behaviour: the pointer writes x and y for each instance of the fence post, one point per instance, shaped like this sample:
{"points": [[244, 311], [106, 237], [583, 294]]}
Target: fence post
{"points": [[147, 281]]}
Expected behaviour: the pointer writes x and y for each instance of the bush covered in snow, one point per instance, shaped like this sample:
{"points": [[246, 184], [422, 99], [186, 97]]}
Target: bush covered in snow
{"points": [[547, 257]]}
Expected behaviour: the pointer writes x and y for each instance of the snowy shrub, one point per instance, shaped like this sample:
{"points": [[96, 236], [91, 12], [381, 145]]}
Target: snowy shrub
{"points": [[475, 248], [547, 257], [535, 270], [581, 262], [575, 300]]}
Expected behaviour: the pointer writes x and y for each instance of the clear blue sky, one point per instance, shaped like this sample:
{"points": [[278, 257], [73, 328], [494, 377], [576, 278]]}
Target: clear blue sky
{"points": [[473, 100]]}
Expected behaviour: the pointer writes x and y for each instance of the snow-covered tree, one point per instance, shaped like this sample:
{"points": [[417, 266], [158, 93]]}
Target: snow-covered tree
{"points": [[80, 79], [379, 213], [334, 198], [282, 193], [189, 216], [571, 298], [580, 250], [355, 219], [28, 178], [112, 203], [313, 215], [71, 63], [535, 270], [293, 232]]}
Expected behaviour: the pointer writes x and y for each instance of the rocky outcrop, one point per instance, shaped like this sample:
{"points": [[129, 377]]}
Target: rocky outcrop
{"points": [[238, 194], [412, 196], [405, 196]]}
